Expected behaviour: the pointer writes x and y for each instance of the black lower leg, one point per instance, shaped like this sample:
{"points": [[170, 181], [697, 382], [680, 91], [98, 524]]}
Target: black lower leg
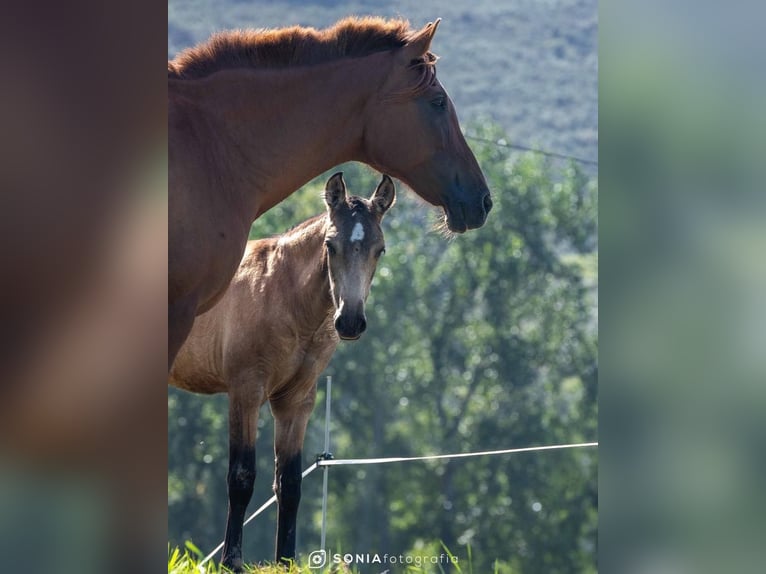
{"points": [[288, 490], [241, 479]]}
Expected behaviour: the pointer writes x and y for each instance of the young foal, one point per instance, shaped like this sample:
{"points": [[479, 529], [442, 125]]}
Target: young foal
{"points": [[273, 333]]}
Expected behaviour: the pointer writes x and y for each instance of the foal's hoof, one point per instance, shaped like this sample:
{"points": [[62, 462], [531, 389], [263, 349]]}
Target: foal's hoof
{"points": [[235, 565]]}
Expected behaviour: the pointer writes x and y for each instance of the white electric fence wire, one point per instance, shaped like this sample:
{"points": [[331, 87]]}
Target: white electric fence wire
{"points": [[347, 461]]}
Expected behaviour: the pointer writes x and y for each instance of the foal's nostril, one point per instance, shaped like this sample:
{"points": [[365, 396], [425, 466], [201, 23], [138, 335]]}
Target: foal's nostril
{"points": [[350, 327], [487, 202]]}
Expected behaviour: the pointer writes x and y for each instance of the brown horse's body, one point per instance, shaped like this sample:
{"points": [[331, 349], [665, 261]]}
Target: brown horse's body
{"points": [[252, 116], [272, 334]]}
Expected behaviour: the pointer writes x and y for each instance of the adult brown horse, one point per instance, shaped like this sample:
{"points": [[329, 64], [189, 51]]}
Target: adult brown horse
{"points": [[253, 115], [273, 333]]}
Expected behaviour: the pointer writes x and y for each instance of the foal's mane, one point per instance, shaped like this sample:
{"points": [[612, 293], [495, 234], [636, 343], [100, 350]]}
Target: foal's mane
{"points": [[293, 46], [300, 231]]}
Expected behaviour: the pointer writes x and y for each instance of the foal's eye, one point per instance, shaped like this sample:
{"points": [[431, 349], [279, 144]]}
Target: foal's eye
{"points": [[381, 252], [330, 249]]}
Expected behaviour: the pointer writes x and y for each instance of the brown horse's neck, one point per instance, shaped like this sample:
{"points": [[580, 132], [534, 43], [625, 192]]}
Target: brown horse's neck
{"points": [[302, 254], [290, 125]]}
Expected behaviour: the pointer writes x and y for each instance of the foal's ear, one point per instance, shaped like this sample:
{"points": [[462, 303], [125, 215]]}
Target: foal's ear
{"points": [[335, 191], [420, 42], [384, 196]]}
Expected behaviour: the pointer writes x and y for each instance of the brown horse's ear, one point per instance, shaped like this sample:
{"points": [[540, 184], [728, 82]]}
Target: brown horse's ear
{"points": [[384, 196], [335, 191], [420, 42]]}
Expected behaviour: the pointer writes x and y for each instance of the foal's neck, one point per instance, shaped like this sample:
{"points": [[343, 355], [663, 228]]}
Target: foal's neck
{"points": [[302, 256]]}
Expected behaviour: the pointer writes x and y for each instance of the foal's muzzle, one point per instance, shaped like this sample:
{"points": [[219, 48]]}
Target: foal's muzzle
{"points": [[350, 327]]}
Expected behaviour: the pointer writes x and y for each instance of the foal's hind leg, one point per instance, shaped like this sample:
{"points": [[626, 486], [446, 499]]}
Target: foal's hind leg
{"points": [[243, 423], [290, 429]]}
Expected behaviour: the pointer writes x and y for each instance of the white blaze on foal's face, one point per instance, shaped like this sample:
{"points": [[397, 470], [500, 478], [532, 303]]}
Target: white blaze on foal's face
{"points": [[357, 234]]}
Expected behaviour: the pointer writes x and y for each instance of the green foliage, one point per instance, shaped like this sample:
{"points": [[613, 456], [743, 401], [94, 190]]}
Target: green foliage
{"points": [[478, 342]]}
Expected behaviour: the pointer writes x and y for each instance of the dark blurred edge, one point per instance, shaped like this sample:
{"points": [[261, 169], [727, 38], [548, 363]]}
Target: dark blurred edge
{"points": [[683, 273], [83, 214]]}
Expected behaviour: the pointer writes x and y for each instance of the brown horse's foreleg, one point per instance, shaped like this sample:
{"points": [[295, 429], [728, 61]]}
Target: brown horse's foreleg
{"points": [[243, 422], [288, 443], [181, 315]]}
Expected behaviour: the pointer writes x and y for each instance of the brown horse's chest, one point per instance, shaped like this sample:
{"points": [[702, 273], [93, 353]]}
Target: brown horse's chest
{"points": [[208, 224], [220, 262]]}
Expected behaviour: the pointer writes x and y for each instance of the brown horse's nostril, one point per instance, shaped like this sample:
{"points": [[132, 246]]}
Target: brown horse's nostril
{"points": [[487, 202]]}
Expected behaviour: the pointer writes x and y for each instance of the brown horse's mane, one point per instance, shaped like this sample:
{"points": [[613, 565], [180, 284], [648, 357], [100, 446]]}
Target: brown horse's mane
{"points": [[293, 46]]}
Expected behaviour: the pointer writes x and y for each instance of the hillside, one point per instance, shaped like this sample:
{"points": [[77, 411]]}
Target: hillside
{"points": [[529, 65]]}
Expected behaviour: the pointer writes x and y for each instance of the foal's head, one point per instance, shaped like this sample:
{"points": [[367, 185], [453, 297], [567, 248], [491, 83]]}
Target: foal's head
{"points": [[353, 244]]}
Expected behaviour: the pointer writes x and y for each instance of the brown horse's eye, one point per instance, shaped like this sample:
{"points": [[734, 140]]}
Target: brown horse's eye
{"points": [[381, 252], [330, 249], [440, 102]]}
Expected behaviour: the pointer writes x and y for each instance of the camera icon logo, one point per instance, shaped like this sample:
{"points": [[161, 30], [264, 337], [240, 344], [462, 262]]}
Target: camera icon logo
{"points": [[317, 559]]}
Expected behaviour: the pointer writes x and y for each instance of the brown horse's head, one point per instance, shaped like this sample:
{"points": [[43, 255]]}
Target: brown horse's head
{"points": [[412, 132], [354, 243]]}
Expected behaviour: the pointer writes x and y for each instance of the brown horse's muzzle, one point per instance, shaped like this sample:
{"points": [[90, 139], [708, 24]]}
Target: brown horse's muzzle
{"points": [[464, 214]]}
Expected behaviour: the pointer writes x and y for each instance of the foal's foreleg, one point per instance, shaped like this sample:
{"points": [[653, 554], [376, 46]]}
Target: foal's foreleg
{"points": [[290, 429], [243, 422]]}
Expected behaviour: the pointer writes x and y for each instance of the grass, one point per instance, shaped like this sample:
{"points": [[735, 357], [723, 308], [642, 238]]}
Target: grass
{"points": [[187, 561]]}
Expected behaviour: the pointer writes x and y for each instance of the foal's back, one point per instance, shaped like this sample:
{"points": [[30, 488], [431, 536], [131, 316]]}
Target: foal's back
{"points": [[273, 324]]}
